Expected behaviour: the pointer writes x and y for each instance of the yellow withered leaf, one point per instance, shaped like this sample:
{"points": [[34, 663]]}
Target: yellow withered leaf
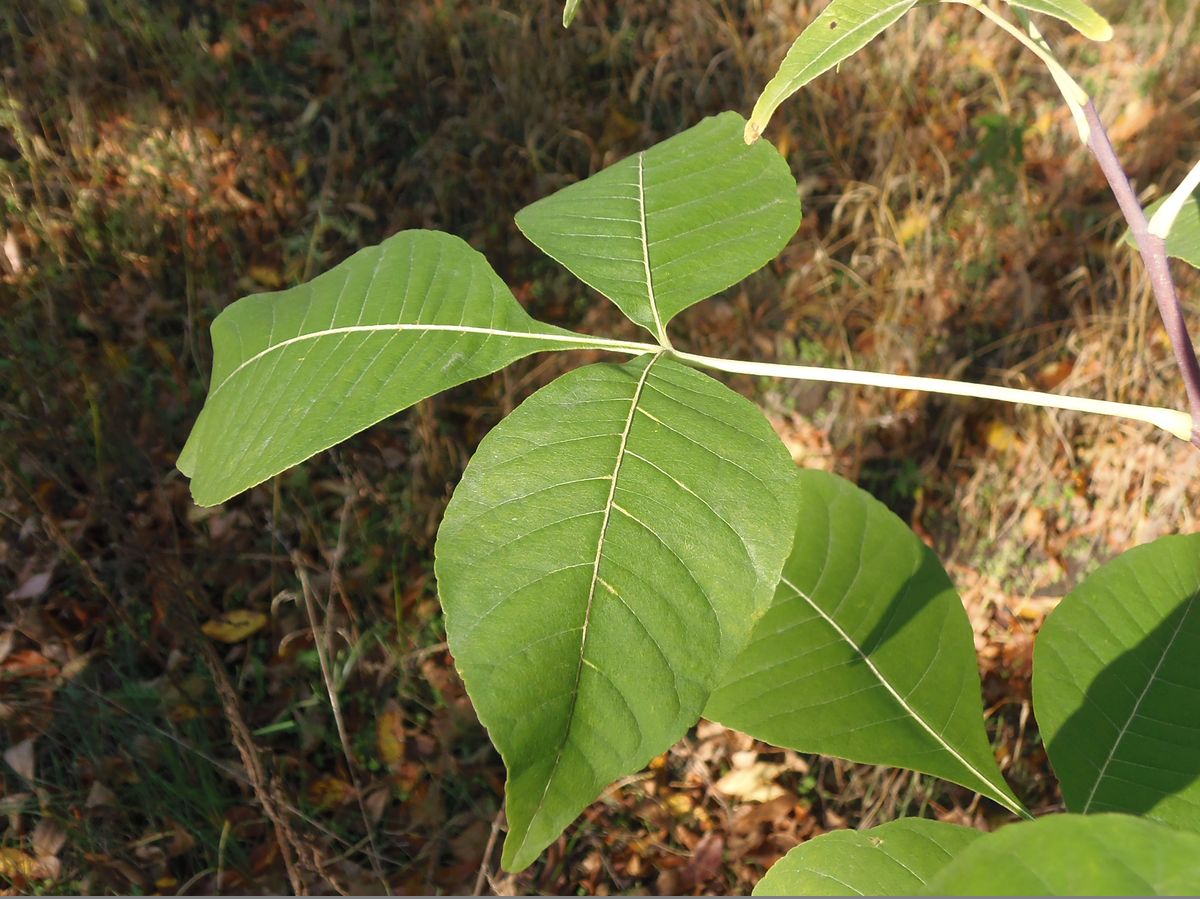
{"points": [[234, 626], [390, 736]]}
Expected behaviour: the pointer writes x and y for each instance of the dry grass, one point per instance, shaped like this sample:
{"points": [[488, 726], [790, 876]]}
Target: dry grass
{"points": [[159, 159]]}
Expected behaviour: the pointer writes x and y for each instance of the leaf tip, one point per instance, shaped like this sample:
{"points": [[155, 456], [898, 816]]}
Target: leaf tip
{"points": [[753, 132]]}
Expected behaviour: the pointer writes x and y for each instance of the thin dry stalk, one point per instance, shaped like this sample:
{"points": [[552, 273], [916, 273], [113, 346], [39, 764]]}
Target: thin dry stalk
{"points": [[336, 706], [265, 791]]}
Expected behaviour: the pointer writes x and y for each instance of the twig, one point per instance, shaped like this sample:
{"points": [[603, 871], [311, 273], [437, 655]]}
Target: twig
{"points": [[1151, 245], [486, 863]]}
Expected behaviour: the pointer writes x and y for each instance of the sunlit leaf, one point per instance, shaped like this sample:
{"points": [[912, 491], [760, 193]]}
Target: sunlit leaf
{"points": [[895, 859], [1117, 688], [866, 653], [1183, 242], [668, 227], [840, 31], [1074, 855], [600, 565], [298, 371], [570, 8], [1075, 13]]}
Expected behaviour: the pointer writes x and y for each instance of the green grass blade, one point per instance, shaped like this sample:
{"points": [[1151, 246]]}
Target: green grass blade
{"points": [[570, 8]]}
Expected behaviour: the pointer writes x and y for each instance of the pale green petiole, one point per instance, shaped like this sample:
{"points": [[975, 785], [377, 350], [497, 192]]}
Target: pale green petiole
{"points": [[1178, 424]]}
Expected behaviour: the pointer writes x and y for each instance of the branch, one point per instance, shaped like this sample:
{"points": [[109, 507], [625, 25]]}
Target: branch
{"points": [[1153, 250]]}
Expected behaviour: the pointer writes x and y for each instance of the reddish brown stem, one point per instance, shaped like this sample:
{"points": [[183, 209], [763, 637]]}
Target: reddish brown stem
{"points": [[1154, 254]]}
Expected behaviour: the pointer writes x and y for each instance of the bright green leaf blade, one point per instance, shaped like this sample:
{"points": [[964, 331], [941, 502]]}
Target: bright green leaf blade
{"points": [[296, 371], [1075, 13], [600, 565], [671, 226], [1184, 240], [840, 31], [570, 8], [866, 653], [1073, 855], [895, 859], [1117, 688]]}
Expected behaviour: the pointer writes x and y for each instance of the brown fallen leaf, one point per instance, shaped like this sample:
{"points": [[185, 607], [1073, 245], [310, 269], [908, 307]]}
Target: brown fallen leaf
{"points": [[705, 863], [20, 758], [234, 626]]}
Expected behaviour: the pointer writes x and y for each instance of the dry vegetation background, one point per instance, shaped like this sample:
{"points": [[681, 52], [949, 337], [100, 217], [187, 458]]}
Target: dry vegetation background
{"points": [[159, 159]]}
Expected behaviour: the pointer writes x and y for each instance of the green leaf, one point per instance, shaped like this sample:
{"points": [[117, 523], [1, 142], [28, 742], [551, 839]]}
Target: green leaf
{"points": [[570, 8], [600, 565], [296, 371], [895, 859], [671, 226], [1072, 855], [840, 31], [866, 653], [1116, 685], [1075, 13], [1184, 240]]}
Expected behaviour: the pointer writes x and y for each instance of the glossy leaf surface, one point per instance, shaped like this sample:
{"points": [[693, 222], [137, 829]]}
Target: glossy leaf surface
{"points": [[896, 859], [671, 226], [866, 653], [600, 565], [842, 29], [1075, 855], [299, 370], [1117, 688]]}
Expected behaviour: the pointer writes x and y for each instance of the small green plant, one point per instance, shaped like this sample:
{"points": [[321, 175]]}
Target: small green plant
{"points": [[633, 547]]}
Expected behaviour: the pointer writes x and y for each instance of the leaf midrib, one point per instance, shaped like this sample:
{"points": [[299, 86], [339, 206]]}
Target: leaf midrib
{"points": [[900, 699], [405, 326], [845, 36], [1134, 711], [660, 333], [609, 504]]}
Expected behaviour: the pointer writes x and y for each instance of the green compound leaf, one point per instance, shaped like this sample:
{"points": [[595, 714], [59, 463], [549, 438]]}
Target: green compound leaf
{"points": [[671, 226], [896, 859], [600, 565], [299, 370], [1183, 242], [1073, 855], [1075, 13], [840, 31], [866, 653], [1116, 686], [570, 8]]}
